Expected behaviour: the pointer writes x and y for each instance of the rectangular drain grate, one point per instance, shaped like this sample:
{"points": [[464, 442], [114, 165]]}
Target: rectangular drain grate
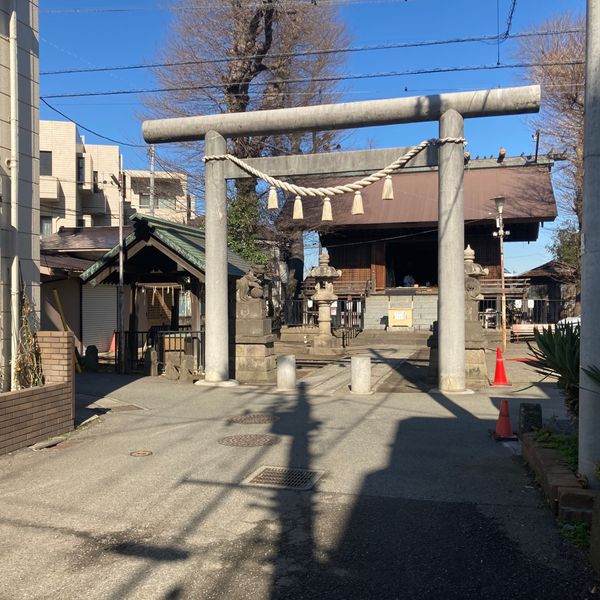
{"points": [[284, 478]]}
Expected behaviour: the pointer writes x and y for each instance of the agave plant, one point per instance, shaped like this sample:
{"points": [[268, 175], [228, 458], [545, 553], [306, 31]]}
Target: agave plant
{"points": [[558, 352]]}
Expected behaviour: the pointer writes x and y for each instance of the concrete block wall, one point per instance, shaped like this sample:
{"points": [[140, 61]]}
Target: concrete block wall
{"points": [[424, 310], [376, 310]]}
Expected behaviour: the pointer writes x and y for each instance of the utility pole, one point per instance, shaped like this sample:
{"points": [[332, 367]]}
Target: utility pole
{"points": [[152, 155], [501, 233], [120, 182], [589, 392]]}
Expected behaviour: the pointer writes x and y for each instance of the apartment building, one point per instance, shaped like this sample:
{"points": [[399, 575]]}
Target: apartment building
{"points": [[19, 190], [171, 199], [80, 184]]}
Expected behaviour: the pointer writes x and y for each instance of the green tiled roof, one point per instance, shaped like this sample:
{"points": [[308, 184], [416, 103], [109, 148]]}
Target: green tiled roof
{"points": [[188, 242]]}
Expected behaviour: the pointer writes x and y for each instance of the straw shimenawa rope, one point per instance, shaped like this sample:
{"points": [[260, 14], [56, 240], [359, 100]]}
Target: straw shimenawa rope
{"points": [[325, 192]]}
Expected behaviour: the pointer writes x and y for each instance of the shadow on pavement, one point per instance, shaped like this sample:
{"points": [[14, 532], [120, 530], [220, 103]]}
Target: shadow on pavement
{"points": [[407, 531]]}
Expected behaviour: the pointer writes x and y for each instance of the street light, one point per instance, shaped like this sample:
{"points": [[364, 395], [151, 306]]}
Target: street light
{"points": [[501, 234]]}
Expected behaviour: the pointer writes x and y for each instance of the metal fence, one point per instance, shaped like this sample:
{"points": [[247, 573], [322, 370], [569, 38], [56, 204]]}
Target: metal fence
{"points": [[168, 344], [297, 313], [348, 319], [532, 310], [347, 316]]}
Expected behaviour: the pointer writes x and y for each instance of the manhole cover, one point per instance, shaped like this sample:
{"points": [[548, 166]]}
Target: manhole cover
{"points": [[250, 440], [124, 407], [284, 477], [253, 418], [140, 453]]}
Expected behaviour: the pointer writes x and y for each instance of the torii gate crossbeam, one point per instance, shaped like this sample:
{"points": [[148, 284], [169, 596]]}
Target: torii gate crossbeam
{"points": [[449, 109]]}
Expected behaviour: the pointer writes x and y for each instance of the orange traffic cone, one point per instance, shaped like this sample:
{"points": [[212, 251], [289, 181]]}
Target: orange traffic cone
{"points": [[503, 427], [500, 374], [113, 343]]}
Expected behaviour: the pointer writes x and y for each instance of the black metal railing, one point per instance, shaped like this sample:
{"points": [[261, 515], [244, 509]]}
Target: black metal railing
{"points": [[300, 312], [168, 344], [348, 319], [527, 310]]}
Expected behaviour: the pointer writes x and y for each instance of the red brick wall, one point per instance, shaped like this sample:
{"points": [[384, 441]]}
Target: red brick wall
{"points": [[29, 416]]}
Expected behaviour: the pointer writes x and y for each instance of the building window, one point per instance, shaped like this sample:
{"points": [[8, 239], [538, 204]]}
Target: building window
{"points": [[166, 203], [95, 181], [80, 169], [45, 226], [144, 200], [45, 162]]}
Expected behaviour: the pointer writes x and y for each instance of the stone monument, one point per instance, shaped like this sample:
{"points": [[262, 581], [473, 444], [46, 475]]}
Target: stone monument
{"points": [[324, 296], [254, 340]]}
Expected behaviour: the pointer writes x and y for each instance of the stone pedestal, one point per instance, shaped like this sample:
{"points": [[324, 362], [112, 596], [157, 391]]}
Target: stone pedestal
{"points": [[325, 342], [254, 342], [475, 344]]}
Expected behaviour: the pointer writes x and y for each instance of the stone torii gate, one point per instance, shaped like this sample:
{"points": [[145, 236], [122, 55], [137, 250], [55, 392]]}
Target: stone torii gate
{"points": [[449, 109]]}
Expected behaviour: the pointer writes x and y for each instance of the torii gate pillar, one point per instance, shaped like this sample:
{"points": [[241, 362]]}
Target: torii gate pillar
{"points": [[451, 247], [216, 360]]}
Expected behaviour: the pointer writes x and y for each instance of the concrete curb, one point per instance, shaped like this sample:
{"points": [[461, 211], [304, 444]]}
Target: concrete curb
{"points": [[567, 497]]}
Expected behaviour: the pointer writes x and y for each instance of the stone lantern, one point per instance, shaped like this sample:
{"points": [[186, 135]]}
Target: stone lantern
{"points": [[475, 343], [324, 296]]}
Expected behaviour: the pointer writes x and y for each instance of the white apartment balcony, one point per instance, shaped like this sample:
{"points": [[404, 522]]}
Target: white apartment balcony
{"points": [[94, 204], [49, 188]]}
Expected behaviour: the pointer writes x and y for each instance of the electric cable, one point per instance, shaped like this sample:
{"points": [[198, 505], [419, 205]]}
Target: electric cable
{"points": [[330, 78]]}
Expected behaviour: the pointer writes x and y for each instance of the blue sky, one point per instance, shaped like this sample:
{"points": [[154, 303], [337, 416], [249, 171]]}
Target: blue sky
{"points": [[96, 39]]}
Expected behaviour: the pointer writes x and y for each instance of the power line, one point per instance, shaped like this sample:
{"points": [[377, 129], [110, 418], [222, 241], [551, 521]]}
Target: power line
{"points": [[506, 34], [325, 51], [104, 137], [199, 6], [332, 78], [509, 20]]}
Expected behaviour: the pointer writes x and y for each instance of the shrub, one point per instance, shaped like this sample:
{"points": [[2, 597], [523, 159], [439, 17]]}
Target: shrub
{"points": [[566, 444], [558, 353]]}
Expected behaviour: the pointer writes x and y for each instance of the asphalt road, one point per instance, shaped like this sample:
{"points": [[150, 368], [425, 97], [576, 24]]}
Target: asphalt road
{"points": [[416, 502]]}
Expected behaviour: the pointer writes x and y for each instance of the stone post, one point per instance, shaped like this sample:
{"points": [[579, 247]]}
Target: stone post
{"points": [[286, 372], [361, 375]]}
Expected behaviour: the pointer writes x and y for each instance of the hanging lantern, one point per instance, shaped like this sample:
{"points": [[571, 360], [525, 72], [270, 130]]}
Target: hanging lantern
{"points": [[357, 204], [273, 201], [388, 190], [298, 212], [327, 213]]}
